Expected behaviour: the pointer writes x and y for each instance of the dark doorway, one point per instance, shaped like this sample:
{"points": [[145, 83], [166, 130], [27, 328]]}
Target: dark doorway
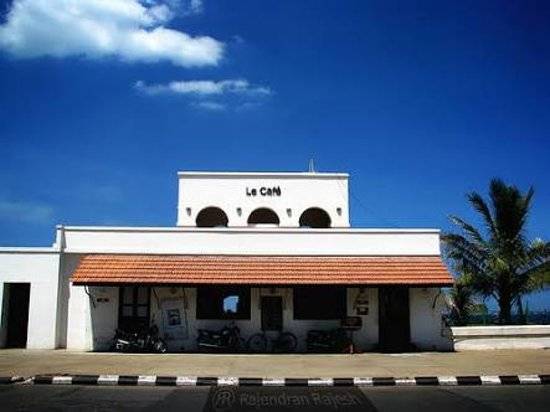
{"points": [[394, 325], [18, 313], [272, 313], [133, 314]]}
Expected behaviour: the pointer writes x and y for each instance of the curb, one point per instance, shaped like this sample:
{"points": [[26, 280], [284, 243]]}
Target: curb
{"points": [[153, 380], [7, 380]]}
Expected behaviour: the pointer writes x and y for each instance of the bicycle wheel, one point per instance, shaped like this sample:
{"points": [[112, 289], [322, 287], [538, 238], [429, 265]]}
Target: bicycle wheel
{"points": [[257, 343], [287, 342]]}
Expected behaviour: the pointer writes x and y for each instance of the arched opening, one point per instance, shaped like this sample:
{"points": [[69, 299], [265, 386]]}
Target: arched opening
{"points": [[263, 216], [315, 218], [211, 217]]}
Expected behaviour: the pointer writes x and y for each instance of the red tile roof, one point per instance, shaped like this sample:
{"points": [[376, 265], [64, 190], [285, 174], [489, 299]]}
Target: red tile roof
{"points": [[109, 269]]}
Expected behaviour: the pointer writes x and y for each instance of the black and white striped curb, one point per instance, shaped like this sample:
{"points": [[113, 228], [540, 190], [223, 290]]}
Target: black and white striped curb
{"points": [[152, 380], [6, 380]]}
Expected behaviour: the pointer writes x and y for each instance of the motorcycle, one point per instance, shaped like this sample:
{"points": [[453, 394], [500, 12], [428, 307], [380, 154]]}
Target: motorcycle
{"points": [[335, 340], [143, 341], [226, 339], [285, 342]]}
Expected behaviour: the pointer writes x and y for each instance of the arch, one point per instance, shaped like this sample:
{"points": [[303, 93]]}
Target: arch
{"points": [[263, 216], [315, 217], [211, 217]]}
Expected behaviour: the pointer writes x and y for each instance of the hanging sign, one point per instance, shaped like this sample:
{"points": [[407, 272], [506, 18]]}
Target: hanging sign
{"points": [[351, 323]]}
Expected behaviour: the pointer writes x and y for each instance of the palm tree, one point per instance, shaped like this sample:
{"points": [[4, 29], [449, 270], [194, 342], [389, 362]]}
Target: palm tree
{"points": [[461, 300], [502, 262]]}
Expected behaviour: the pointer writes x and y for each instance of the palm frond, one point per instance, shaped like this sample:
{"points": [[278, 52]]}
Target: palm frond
{"points": [[481, 206], [537, 276], [463, 251], [469, 230], [510, 212]]}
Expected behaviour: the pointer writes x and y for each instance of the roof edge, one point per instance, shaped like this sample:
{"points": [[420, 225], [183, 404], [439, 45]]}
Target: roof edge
{"points": [[315, 175], [247, 229]]}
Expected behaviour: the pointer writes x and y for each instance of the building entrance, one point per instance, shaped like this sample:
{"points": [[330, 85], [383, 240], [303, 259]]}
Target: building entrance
{"points": [[394, 322], [17, 297]]}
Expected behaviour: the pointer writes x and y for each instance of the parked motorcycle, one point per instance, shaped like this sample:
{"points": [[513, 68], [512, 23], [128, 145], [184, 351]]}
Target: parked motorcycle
{"points": [[227, 339], [143, 341], [285, 342], [335, 340]]}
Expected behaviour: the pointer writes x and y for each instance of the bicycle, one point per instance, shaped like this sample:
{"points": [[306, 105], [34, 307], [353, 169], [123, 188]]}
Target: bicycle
{"points": [[285, 342]]}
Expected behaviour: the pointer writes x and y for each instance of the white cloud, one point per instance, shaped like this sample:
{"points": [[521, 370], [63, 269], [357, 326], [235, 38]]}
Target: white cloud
{"points": [[25, 212], [195, 6], [210, 106], [131, 30], [204, 88]]}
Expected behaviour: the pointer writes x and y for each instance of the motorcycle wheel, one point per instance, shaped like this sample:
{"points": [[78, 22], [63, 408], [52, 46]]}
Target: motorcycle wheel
{"points": [[257, 343], [287, 342], [160, 346], [241, 345]]}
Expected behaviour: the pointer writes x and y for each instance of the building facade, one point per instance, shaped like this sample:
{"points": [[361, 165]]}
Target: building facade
{"points": [[270, 252]]}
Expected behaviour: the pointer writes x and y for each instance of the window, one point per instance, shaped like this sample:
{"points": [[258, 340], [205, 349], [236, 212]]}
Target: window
{"points": [[223, 303], [320, 302], [133, 307], [263, 216], [211, 217], [315, 218]]}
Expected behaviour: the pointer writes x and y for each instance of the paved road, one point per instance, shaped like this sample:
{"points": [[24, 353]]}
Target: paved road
{"points": [[226, 399]]}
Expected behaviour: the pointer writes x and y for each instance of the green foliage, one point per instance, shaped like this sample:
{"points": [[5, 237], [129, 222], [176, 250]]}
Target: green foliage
{"points": [[499, 259], [461, 299]]}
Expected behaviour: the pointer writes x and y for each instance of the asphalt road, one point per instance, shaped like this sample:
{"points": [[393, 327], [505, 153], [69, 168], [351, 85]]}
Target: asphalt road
{"points": [[226, 399]]}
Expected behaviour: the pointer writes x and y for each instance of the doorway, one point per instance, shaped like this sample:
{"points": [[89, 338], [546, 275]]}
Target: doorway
{"points": [[17, 297], [133, 311], [393, 320], [272, 313]]}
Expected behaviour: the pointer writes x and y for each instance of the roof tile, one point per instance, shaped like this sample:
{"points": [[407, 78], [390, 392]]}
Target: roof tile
{"points": [[110, 269]]}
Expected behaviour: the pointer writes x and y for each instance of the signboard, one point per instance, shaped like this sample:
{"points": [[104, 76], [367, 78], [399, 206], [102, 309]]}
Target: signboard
{"points": [[174, 319], [351, 323]]}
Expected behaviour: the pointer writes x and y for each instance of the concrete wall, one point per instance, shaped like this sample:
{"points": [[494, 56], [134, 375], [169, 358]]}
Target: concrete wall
{"points": [[251, 241], [501, 337], [428, 331], [233, 193], [92, 327], [39, 267], [366, 338], [92, 317]]}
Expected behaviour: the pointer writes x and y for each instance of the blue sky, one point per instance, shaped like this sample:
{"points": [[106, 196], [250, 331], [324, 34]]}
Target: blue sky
{"points": [[419, 102]]}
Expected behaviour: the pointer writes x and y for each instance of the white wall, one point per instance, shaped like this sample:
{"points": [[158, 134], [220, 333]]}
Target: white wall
{"points": [[228, 191], [250, 241], [40, 268], [92, 317], [366, 338], [428, 331], [501, 337], [92, 328]]}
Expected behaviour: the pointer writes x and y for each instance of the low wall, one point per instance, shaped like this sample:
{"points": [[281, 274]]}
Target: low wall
{"points": [[501, 337]]}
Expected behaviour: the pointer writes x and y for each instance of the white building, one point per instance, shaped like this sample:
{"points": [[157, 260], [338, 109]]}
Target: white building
{"points": [[271, 251]]}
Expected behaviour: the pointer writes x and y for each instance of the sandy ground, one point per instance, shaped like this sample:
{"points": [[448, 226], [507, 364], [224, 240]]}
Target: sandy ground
{"points": [[502, 362]]}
